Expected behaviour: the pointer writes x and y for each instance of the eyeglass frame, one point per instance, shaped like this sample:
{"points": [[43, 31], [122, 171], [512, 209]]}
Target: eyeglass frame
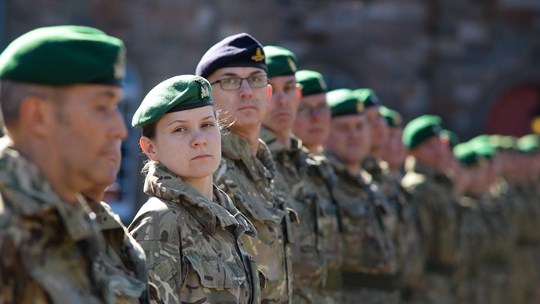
{"points": [[240, 83]]}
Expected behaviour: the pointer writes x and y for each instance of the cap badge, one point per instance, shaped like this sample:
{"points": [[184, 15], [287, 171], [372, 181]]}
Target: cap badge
{"points": [[291, 64], [259, 56]]}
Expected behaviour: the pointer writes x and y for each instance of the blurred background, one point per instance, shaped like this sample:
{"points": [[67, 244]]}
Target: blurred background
{"points": [[475, 63]]}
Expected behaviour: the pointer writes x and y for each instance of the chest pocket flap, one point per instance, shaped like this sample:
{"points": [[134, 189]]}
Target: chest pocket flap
{"points": [[214, 272]]}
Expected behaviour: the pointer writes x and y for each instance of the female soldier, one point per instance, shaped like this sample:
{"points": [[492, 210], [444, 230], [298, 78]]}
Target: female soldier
{"points": [[189, 230]]}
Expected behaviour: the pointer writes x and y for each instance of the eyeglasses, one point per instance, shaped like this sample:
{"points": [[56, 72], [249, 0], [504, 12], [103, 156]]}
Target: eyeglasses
{"points": [[312, 111], [234, 83]]}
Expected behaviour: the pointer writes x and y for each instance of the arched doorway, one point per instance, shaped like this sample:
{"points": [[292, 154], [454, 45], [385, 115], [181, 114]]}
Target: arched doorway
{"points": [[514, 111]]}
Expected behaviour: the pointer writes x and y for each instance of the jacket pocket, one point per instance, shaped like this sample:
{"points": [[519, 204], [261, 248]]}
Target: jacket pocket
{"points": [[214, 272]]}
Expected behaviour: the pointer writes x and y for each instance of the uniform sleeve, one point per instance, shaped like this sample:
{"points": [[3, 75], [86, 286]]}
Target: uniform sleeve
{"points": [[157, 233]]}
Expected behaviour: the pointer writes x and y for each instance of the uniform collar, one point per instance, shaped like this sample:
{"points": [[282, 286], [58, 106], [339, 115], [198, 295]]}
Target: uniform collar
{"points": [[165, 185], [20, 177], [259, 166]]}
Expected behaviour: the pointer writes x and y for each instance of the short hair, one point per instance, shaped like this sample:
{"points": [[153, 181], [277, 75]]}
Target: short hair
{"points": [[12, 94]]}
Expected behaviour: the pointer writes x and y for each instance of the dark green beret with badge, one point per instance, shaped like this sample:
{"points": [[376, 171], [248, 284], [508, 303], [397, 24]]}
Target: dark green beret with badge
{"points": [[344, 102], [64, 55], [420, 129], [368, 97], [178, 93], [393, 118], [312, 82], [471, 152], [280, 61]]}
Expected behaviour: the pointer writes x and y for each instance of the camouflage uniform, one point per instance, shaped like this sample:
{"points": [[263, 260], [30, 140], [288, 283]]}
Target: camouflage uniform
{"points": [[369, 269], [52, 251], [403, 224], [324, 181], [193, 245], [248, 179], [436, 204], [121, 246], [293, 182]]}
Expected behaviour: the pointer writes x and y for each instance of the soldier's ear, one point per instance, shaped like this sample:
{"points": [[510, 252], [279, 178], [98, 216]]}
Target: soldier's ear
{"points": [[148, 147], [37, 116], [269, 93], [299, 91]]}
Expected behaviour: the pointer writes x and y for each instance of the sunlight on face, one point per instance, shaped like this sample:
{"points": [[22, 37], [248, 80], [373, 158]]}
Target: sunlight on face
{"points": [[313, 120], [281, 111], [187, 142], [349, 138]]}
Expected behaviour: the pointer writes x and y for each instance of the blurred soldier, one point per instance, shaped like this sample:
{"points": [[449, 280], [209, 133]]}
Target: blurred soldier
{"points": [[436, 202], [408, 235], [312, 126], [236, 68], [487, 232], [369, 269], [60, 90], [296, 171]]}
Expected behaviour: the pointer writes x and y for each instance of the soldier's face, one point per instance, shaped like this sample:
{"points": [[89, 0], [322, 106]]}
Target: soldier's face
{"points": [[242, 109], [349, 138], [88, 131], [313, 120], [394, 151], [378, 128], [432, 152], [282, 108], [187, 142]]}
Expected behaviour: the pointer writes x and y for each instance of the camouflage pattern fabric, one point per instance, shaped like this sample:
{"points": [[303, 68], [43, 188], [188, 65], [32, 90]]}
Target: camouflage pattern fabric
{"points": [[404, 225], [324, 180], [248, 179], [437, 203], [121, 246], [369, 269], [193, 246], [53, 251], [293, 183]]}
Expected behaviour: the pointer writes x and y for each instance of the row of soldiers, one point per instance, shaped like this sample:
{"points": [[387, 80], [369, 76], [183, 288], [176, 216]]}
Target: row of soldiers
{"points": [[349, 205]]}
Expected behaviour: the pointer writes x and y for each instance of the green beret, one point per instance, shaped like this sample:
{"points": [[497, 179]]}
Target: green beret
{"points": [[529, 143], [483, 148], [368, 97], [420, 129], [344, 102], [453, 137], [393, 118], [465, 155], [312, 82], [64, 55], [179, 93], [280, 61]]}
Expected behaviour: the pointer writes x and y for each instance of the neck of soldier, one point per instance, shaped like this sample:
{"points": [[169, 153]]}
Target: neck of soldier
{"points": [[251, 135], [315, 149], [203, 184], [51, 167], [353, 167], [284, 137]]}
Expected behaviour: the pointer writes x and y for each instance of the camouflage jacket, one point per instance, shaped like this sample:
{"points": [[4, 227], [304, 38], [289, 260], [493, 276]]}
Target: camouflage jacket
{"points": [[293, 182], [193, 246], [121, 246], [53, 251], [402, 222], [369, 247], [436, 203], [248, 179]]}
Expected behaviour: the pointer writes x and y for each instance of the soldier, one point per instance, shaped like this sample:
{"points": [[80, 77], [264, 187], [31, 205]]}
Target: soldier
{"points": [[369, 270], [312, 125], [436, 203], [298, 178], [189, 229], [408, 237], [60, 90], [236, 68]]}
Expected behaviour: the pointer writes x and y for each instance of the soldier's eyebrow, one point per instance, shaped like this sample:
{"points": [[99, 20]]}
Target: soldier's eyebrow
{"points": [[232, 74], [185, 121]]}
